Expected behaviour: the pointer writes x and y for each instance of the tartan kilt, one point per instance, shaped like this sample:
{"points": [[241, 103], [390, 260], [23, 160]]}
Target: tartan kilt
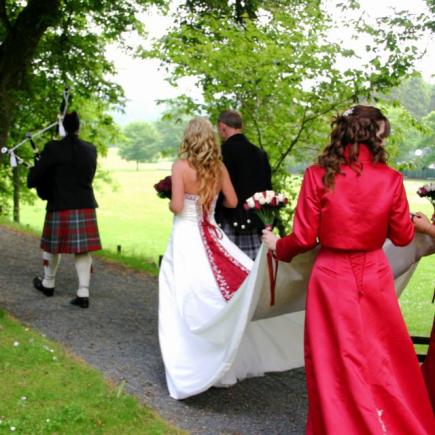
{"points": [[248, 240], [70, 232]]}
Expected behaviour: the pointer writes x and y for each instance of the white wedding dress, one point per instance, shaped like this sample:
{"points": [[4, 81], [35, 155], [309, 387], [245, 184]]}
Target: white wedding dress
{"points": [[205, 339], [212, 337]]}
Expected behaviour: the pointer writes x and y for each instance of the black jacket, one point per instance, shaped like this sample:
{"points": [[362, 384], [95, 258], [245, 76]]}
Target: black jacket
{"points": [[64, 173], [250, 172]]}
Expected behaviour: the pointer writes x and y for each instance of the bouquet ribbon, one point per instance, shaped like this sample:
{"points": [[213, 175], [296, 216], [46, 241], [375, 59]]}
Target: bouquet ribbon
{"points": [[272, 265]]}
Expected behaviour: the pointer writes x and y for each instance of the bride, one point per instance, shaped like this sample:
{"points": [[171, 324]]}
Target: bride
{"points": [[207, 294]]}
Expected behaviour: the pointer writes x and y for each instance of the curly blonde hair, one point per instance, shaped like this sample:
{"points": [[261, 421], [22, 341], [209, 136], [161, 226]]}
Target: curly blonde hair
{"points": [[201, 149]]}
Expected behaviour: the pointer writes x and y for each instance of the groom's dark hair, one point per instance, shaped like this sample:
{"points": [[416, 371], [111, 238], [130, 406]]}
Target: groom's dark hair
{"points": [[232, 118]]}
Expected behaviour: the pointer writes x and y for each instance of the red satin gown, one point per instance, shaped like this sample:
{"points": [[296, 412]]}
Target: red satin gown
{"points": [[362, 373]]}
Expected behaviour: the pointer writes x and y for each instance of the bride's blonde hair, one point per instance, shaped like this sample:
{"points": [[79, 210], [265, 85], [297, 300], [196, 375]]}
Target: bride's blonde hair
{"points": [[201, 149]]}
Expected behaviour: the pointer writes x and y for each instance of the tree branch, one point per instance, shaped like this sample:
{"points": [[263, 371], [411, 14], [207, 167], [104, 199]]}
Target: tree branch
{"points": [[259, 136], [306, 120], [293, 142]]}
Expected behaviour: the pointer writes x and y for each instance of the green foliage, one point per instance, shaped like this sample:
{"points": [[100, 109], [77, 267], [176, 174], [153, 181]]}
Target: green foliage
{"points": [[431, 23], [170, 128], [140, 143], [406, 133], [280, 69], [70, 51], [45, 390], [416, 96], [409, 108], [427, 143]]}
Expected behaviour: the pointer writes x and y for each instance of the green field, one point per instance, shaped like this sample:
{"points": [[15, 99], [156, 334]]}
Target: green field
{"points": [[131, 215]]}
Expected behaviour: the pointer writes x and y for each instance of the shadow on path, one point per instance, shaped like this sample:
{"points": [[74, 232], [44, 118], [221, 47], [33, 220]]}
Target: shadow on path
{"points": [[118, 336]]}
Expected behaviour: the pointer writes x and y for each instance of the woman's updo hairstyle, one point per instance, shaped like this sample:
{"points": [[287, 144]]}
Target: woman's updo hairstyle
{"points": [[358, 125]]}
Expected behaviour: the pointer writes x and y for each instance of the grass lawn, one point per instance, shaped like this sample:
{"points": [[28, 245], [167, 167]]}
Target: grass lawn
{"points": [[131, 215], [44, 390]]}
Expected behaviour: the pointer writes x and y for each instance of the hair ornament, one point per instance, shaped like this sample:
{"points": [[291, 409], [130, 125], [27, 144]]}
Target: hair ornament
{"points": [[348, 112]]}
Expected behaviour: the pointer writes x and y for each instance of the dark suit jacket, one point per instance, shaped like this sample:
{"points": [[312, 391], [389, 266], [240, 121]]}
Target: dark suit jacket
{"points": [[250, 172], [66, 168]]}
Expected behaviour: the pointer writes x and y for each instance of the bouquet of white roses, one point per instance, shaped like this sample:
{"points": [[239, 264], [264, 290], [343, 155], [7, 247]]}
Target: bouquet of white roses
{"points": [[266, 205]]}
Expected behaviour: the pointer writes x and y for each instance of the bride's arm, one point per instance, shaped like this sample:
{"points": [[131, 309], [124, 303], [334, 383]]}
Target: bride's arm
{"points": [[177, 198], [230, 196]]}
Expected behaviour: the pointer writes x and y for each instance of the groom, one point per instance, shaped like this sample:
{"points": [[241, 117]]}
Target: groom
{"points": [[250, 172]]}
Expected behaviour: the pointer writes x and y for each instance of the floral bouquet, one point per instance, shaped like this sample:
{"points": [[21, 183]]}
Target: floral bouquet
{"points": [[428, 191], [266, 204], [164, 187]]}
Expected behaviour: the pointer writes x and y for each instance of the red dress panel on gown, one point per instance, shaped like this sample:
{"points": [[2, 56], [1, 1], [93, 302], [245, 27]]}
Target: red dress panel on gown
{"points": [[362, 373]]}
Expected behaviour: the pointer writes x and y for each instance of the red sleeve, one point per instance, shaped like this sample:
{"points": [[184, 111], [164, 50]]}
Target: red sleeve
{"points": [[400, 227], [305, 223]]}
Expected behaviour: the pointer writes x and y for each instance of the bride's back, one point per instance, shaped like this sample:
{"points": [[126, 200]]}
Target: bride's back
{"points": [[190, 179]]}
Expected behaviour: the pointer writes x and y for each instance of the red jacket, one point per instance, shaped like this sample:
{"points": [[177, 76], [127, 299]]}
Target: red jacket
{"points": [[360, 212]]}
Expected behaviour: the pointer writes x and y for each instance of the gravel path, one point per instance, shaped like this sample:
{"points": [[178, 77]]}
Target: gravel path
{"points": [[118, 336]]}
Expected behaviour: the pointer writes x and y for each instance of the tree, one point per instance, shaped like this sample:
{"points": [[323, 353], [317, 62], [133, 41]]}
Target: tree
{"points": [[140, 143], [415, 96], [426, 145], [48, 44], [170, 129], [280, 69]]}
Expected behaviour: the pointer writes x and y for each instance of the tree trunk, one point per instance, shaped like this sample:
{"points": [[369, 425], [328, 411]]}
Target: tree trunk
{"points": [[17, 51], [16, 187]]}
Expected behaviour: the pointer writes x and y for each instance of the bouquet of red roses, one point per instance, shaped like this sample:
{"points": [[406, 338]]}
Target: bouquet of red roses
{"points": [[428, 191], [266, 205], [164, 187]]}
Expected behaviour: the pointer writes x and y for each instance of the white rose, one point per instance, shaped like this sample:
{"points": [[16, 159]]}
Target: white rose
{"points": [[251, 203], [258, 195], [269, 196], [262, 200]]}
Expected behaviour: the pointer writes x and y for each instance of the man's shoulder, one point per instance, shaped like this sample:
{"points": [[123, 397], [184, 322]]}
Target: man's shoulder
{"points": [[239, 141], [87, 144]]}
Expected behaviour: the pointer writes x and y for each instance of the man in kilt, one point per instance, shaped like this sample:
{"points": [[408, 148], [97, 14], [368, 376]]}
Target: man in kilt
{"points": [[250, 172], [63, 176]]}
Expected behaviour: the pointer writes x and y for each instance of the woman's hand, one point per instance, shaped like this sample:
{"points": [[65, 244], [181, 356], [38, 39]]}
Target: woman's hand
{"points": [[421, 223], [269, 239]]}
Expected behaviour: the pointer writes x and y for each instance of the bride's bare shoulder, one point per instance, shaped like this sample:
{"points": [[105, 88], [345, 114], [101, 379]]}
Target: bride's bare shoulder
{"points": [[180, 165]]}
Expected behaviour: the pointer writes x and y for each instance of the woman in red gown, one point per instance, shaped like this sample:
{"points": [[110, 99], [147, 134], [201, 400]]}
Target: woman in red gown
{"points": [[362, 373]]}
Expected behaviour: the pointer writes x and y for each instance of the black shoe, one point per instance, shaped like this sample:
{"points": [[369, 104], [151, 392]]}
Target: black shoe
{"points": [[37, 283], [80, 302]]}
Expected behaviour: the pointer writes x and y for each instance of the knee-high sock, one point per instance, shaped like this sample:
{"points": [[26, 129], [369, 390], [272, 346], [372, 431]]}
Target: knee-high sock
{"points": [[51, 263], [83, 267]]}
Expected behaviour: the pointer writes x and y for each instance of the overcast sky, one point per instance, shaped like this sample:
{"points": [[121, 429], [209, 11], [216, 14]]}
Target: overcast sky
{"points": [[144, 83]]}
